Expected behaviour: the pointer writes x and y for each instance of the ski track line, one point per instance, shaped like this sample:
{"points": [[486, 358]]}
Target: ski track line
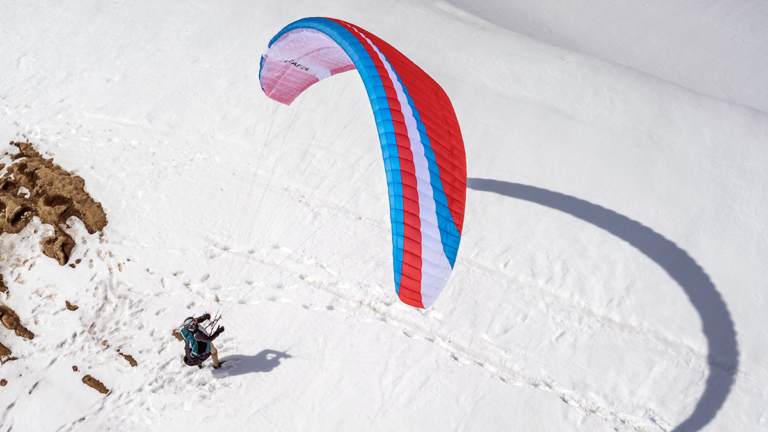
{"points": [[643, 335], [607, 413], [120, 306]]}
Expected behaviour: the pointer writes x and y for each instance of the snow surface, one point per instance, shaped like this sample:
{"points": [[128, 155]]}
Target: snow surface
{"points": [[609, 276]]}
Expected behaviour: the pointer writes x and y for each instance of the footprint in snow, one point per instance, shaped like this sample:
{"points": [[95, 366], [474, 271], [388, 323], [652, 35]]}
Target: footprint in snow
{"points": [[411, 334]]}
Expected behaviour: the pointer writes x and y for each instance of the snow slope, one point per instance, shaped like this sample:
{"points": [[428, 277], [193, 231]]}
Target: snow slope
{"points": [[711, 47], [609, 276]]}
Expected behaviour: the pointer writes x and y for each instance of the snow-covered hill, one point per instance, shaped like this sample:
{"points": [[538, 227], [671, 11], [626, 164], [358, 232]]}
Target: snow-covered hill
{"points": [[610, 275]]}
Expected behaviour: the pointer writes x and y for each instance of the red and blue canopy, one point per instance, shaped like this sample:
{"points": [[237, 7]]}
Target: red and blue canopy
{"points": [[420, 140]]}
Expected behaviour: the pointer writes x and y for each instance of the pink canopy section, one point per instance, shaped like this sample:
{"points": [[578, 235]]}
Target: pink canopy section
{"points": [[302, 57]]}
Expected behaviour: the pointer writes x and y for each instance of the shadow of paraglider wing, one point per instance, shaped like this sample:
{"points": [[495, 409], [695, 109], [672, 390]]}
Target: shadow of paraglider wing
{"points": [[717, 325]]}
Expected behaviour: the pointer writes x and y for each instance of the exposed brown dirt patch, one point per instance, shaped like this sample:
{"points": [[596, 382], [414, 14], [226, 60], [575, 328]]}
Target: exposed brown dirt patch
{"points": [[128, 358], [95, 384], [4, 351], [74, 368], [34, 186], [3, 382], [10, 319], [5, 354], [71, 307], [3, 287]]}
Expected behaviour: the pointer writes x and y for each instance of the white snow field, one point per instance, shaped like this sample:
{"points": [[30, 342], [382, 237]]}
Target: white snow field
{"points": [[611, 275]]}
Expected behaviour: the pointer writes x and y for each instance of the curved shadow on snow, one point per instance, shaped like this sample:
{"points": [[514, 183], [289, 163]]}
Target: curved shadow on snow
{"points": [[264, 361], [717, 325]]}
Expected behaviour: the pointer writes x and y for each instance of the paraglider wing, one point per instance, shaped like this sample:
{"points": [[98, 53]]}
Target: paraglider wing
{"points": [[420, 140]]}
